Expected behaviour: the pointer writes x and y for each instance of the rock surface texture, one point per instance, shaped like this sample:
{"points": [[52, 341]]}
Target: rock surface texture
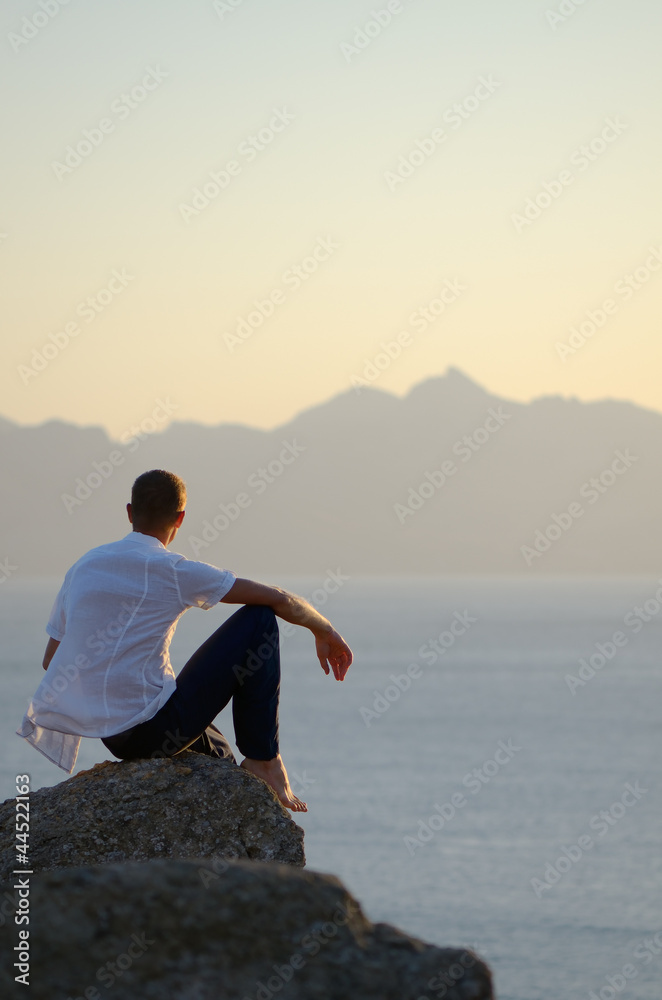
{"points": [[190, 806], [218, 930]]}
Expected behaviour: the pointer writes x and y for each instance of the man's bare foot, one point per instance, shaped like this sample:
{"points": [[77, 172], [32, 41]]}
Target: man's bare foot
{"points": [[274, 773]]}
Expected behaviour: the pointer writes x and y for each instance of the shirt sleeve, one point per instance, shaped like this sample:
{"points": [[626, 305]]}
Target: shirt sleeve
{"points": [[58, 618], [202, 585]]}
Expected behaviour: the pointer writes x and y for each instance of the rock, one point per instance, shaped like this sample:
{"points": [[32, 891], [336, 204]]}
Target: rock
{"points": [[187, 806], [238, 930]]}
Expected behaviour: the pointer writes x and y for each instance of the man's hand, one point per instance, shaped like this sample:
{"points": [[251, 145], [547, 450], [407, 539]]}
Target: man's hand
{"points": [[333, 651]]}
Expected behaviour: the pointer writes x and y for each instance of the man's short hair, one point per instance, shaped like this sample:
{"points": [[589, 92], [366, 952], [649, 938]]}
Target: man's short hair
{"points": [[157, 497]]}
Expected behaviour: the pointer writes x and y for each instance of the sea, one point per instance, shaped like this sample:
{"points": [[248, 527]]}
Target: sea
{"points": [[487, 775]]}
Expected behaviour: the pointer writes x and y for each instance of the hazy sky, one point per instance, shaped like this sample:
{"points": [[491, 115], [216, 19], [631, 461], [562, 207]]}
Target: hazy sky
{"points": [[363, 176]]}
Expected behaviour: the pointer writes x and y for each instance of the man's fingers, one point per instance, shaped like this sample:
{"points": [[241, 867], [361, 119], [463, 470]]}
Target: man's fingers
{"points": [[337, 656], [340, 667]]}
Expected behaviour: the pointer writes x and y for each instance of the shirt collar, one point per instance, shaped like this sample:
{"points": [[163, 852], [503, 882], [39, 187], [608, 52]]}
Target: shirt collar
{"points": [[150, 540]]}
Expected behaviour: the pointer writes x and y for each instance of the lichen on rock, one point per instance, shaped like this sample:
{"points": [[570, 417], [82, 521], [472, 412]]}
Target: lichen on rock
{"points": [[186, 806]]}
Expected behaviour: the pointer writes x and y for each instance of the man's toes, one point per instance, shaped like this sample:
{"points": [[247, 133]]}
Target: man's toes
{"points": [[292, 802]]}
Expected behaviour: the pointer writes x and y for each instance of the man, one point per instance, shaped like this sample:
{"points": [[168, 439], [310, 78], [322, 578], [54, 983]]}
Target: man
{"points": [[107, 662]]}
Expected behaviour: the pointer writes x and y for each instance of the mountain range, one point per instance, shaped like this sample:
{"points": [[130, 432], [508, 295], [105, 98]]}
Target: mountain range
{"points": [[449, 479]]}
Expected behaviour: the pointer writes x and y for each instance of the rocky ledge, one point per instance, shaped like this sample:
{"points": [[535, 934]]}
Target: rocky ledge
{"points": [[189, 806], [223, 930], [182, 879]]}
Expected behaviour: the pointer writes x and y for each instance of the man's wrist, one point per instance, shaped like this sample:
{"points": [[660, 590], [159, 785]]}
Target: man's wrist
{"points": [[323, 630]]}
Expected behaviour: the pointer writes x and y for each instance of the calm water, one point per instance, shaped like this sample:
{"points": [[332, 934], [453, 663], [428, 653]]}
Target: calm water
{"points": [[490, 733]]}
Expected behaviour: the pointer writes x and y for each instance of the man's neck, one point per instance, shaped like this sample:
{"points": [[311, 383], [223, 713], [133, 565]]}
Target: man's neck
{"points": [[164, 535]]}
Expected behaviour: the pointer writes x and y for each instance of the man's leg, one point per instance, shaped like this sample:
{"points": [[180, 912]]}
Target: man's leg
{"points": [[252, 647], [240, 661], [213, 743]]}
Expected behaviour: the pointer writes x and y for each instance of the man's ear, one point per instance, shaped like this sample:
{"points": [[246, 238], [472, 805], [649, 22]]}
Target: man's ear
{"points": [[128, 511], [180, 518]]}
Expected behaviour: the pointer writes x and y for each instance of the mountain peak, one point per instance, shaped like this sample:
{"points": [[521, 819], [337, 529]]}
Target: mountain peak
{"points": [[454, 385]]}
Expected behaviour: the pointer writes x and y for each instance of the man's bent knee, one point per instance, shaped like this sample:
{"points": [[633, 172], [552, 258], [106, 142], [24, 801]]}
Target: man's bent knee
{"points": [[262, 615]]}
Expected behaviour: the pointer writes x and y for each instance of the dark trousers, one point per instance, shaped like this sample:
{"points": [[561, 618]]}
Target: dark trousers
{"points": [[240, 661]]}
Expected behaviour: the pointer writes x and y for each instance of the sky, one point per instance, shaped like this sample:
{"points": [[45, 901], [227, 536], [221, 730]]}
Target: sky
{"points": [[242, 208]]}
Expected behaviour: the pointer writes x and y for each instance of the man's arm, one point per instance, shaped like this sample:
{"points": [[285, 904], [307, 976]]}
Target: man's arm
{"points": [[51, 646], [332, 650]]}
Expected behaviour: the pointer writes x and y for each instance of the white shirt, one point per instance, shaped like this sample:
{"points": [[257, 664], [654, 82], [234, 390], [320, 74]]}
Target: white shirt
{"points": [[114, 617]]}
